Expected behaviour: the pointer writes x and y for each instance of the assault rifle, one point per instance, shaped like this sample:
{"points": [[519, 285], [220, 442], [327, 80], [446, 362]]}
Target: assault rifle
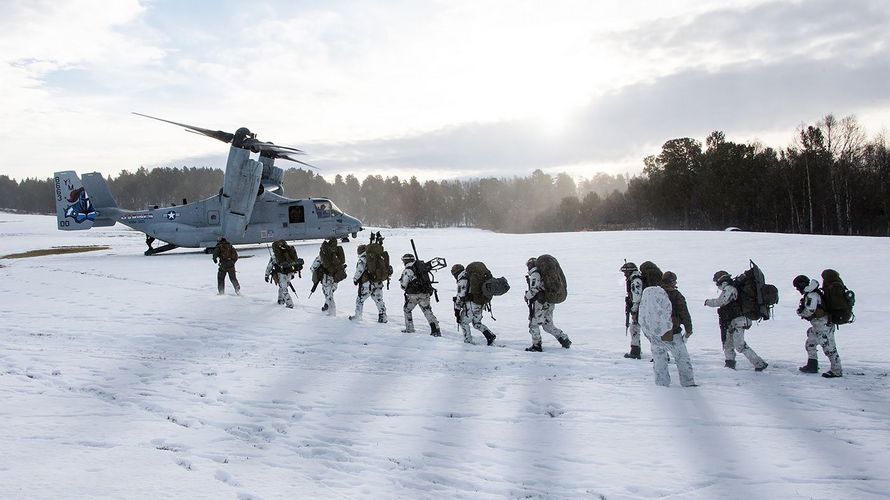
{"points": [[426, 269], [627, 307]]}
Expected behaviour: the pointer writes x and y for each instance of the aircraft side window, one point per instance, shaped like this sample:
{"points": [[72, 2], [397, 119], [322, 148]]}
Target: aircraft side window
{"points": [[295, 214], [323, 209]]}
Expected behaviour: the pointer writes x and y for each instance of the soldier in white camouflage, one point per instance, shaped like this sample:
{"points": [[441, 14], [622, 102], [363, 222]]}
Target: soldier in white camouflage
{"points": [[367, 288], [416, 295], [821, 331], [466, 311], [540, 312], [281, 271], [730, 313]]}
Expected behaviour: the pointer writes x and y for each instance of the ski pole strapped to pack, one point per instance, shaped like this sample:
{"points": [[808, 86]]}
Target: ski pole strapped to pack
{"points": [[838, 300]]}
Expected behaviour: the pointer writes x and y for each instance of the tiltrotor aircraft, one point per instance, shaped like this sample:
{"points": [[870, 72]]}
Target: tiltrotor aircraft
{"points": [[248, 209]]}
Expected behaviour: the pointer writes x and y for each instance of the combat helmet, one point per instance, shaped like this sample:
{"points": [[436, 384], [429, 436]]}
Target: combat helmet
{"points": [[408, 258], [722, 277], [800, 282], [456, 270], [669, 278], [531, 262], [361, 249], [628, 268]]}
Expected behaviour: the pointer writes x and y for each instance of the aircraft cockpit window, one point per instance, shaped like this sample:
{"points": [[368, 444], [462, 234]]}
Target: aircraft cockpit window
{"points": [[336, 210], [295, 214], [323, 208]]}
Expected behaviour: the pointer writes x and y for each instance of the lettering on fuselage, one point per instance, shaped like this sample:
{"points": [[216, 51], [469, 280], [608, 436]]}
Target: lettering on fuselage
{"points": [[137, 218]]}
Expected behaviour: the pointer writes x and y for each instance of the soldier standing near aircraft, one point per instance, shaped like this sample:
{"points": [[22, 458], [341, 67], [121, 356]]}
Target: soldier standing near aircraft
{"points": [[417, 293], [329, 268], [225, 255], [370, 271], [283, 264]]}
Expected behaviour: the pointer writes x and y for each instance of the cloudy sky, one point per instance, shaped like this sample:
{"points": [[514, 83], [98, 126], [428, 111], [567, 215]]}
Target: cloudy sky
{"points": [[435, 89]]}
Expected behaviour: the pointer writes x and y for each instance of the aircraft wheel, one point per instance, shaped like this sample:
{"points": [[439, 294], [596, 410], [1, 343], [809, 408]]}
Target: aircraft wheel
{"points": [[344, 239], [355, 235], [208, 251]]}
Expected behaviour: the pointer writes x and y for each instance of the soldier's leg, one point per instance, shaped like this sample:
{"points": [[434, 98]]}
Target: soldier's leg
{"points": [[634, 331], [681, 357], [738, 327], [328, 286], [548, 326], [283, 292], [826, 339], [427, 310], [477, 323], [465, 321], [728, 347], [221, 281], [660, 362], [364, 291], [410, 304], [234, 280], [534, 326], [377, 295]]}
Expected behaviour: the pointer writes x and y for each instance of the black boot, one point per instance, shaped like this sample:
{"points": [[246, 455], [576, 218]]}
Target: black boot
{"points": [[812, 366], [761, 367], [730, 363], [434, 330], [489, 337], [324, 307], [830, 374], [564, 342], [634, 352], [381, 318], [536, 347]]}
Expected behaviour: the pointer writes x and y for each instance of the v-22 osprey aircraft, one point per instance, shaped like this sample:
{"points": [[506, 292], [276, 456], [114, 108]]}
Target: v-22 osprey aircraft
{"points": [[249, 208]]}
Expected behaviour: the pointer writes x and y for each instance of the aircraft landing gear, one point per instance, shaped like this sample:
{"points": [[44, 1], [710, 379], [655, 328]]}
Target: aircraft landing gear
{"points": [[355, 235], [344, 239], [209, 250], [162, 248]]}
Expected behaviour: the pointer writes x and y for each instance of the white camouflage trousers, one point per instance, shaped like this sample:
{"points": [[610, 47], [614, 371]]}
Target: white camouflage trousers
{"points": [[413, 300], [735, 341], [373, 290], [634, 330], [676, 348], [328, 287], [542, 317], [822, 333], [283, 291], [472, 314]]}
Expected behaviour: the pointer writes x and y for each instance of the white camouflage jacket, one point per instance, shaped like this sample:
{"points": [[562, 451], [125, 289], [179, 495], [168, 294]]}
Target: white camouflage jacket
{"points": [[360, 267], [463, 284], [728, 293], [535, 284], [407, 276]]}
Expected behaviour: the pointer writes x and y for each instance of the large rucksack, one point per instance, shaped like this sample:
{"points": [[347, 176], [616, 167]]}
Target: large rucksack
{"points": [[377, 266], [423, 279], [650, 273], [756, 297], [481, 285], [838, 300], [332, 260], [554, 279], [227, 251], [286, 257]]}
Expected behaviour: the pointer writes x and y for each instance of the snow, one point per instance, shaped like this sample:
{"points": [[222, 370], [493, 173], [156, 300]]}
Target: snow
{"points": [[124, 376]]}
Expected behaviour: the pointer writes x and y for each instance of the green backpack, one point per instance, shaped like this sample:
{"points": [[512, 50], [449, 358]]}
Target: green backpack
{"points": [[286, 257], [332, 260], [554, 279], [477, 275], [838, 300], [377, 267]]}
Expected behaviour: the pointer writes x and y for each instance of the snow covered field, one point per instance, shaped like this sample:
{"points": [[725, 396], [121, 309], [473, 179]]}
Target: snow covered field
{"points": [[124, 376]]}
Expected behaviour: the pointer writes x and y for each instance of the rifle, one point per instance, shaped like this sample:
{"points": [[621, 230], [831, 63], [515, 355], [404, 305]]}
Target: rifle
{"points": [[627, 307]]}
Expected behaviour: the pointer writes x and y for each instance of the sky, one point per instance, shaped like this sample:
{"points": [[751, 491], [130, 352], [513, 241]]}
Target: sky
{"points": [[433, 89]]}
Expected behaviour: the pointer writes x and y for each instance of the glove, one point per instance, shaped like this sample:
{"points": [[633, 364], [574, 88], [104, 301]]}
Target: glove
{"points": [[214, 260], [634, 308], [355, 282], [267, 278]]}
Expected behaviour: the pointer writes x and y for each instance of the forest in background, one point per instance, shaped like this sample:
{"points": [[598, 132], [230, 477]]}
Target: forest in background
{"points": [[833, 179]]}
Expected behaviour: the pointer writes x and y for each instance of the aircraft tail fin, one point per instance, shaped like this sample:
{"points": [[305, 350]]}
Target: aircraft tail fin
{"points": [[100, 195], [74, 209]]}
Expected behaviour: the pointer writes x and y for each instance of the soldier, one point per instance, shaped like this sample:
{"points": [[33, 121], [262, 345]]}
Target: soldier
{"points": [[281, 268], [328, 269], [540, 312], [674, 341], [634, 286], [417, 292], [821, 331], [465, 310], [225, 256], [730, 313], [367, 287]]}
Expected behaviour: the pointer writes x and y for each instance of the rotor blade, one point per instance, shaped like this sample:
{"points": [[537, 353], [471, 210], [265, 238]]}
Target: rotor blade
{"points": [[286, 157], [216, 134], [260, 146]]}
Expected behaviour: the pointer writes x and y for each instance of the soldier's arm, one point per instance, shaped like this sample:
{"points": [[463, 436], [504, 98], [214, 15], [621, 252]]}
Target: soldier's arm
{"points": [[810, 303], [636, 293], [535, 286], [683, 314], [315, 264], [727, 295], [359, 269], [461, 294], [269, 268], [407, 276]]}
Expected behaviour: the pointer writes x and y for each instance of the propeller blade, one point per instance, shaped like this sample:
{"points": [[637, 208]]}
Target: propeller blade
{"points": [[260, 147], [286, 157], [216, 134]]}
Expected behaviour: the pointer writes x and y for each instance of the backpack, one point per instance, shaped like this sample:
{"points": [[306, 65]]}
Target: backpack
{"points": [[226, 251], [477, 274], [286, 257], [650, 273], [554, 279], [377, 267], [838, 300], [423, 279], [756, 297], [332, 260]]}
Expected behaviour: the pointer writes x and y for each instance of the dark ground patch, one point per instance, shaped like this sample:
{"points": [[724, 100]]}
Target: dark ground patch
{"points": [[54, 251]]}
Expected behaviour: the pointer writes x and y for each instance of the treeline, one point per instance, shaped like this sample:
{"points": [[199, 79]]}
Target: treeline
{"points": [[833, 179]]}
